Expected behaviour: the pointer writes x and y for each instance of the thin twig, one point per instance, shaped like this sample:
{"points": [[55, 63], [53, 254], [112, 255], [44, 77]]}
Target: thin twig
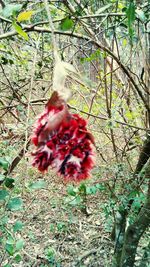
{"points": [[30, 92]]}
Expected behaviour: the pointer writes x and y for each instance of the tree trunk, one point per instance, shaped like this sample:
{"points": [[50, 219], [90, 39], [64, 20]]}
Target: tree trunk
{"points": [[144, 155], [127, 240], [134, 233]]}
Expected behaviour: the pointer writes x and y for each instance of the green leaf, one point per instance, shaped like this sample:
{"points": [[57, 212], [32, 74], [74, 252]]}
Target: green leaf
{"points": [[11, 9], [3, 194], [18, 258], [130, 12], [51, 227], [15, 204], [38, 185], [76, 201], [4, 164], [9, 182], [110, 124], [102, 9], [19, 244], [124, 42], [26, 15], [129, 115], [17, 226], [136, 204], [10, 240], [71, 190], [100, 187], [66, 24], [18, 29], [61, 226], [82, 188], [91, 190], [9, 248], [4, 220]]}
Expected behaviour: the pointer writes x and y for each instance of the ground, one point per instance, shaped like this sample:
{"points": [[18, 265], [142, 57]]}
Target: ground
{"points": [[57, 230], [56, 225]]}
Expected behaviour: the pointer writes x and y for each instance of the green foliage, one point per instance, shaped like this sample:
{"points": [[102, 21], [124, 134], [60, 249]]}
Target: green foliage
{"points": [[66, 24], [38, 185], [76, 194], [15, 204], [26, 15], [12, 246], [9, 247], [9, 182], [17, 226], [9, 241], [101, 89], [11, 10], [17, 258], [21, 32], [130, 12], [4, 164], [3, 194], [92, 189], [19, 244], [71, 190], [58, 228], [50, 256], [94, 56], [61, 227]]}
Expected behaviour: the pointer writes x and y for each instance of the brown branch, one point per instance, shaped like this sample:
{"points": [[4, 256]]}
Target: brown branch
{"points": [[2, 3], [29, 28], [95, 40], [97, 43], [36, 101], [104, 118], [10, 85], [4, 19], [17, 158], [103, 15], [144, 155]]}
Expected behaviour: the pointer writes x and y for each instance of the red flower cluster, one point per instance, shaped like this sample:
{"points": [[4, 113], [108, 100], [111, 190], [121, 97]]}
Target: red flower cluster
{"points": [[63, 143]]}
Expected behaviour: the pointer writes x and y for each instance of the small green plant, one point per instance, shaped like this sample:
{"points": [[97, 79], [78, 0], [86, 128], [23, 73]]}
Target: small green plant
{"points": [[77, 195], [51, 258], [11, 244], [58, 228]]}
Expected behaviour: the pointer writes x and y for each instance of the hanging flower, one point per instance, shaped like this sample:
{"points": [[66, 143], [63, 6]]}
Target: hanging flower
{"points": [[63, 142]]}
